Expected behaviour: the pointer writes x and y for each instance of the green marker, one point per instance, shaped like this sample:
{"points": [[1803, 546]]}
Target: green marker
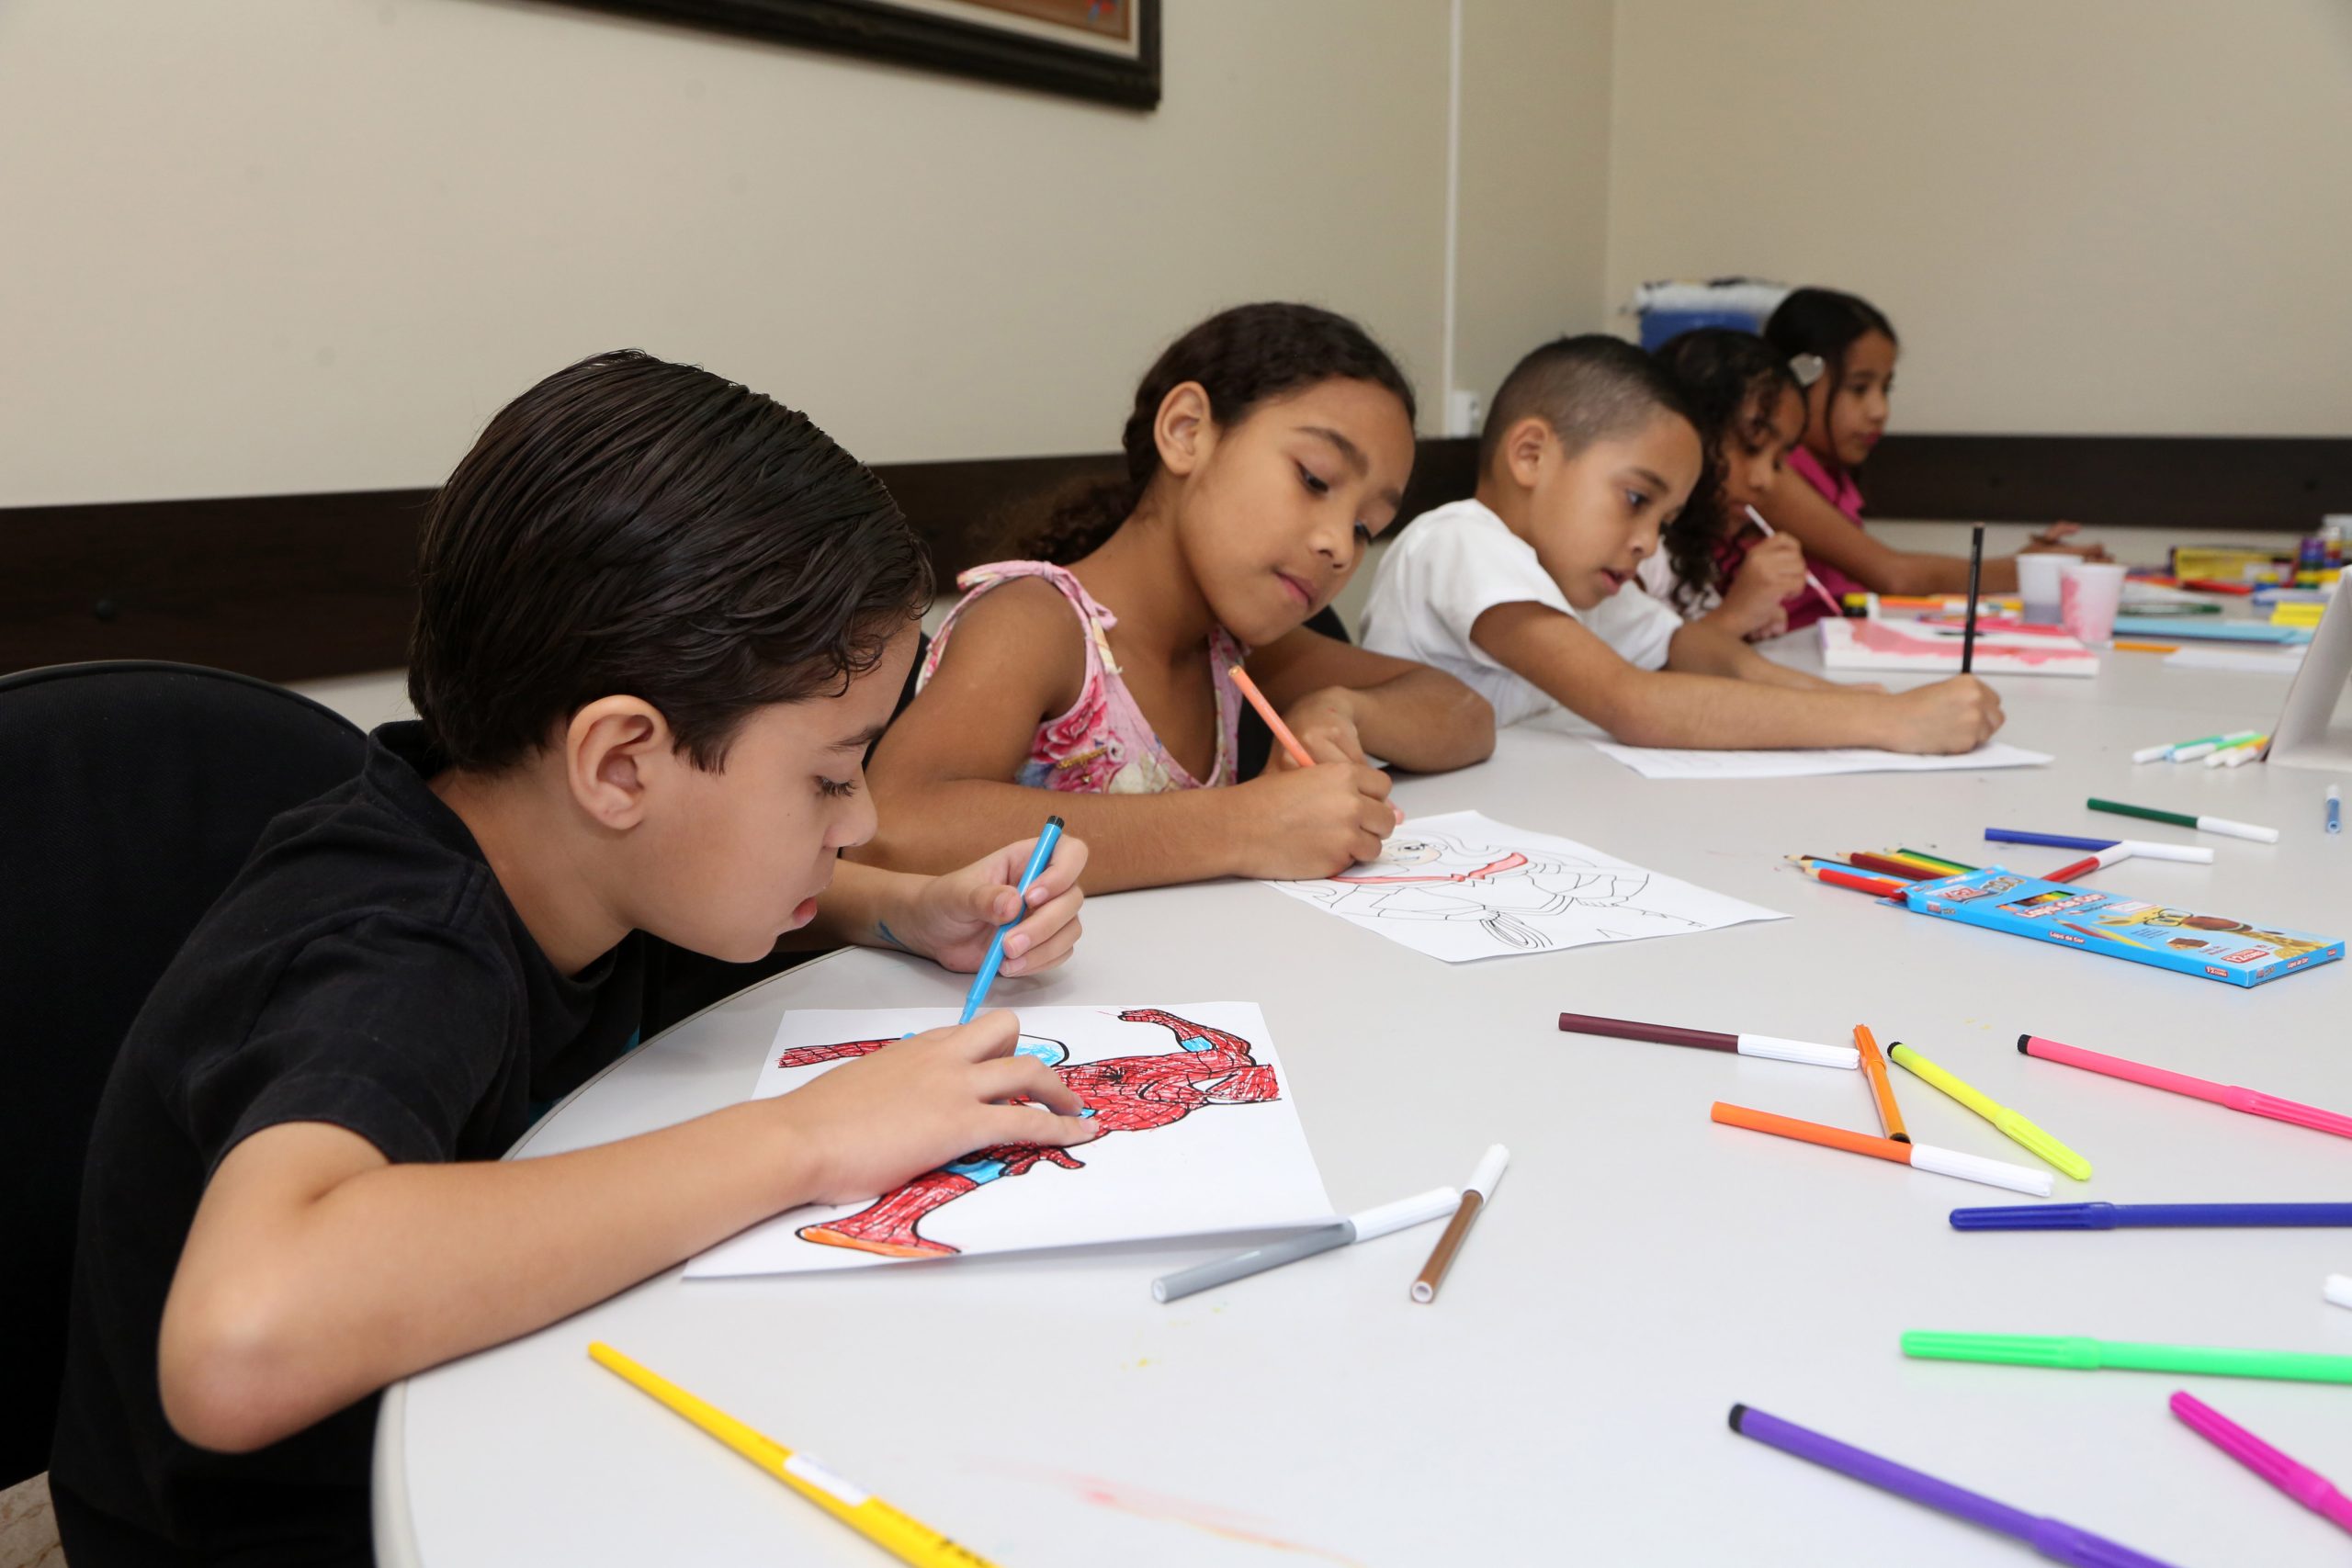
{"points": [[2220, 825], [2085, 1355]]}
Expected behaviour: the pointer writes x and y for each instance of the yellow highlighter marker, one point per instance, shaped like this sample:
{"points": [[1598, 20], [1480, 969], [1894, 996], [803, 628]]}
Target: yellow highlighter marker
{"points": [[903, 1537], [2009, 1123]]}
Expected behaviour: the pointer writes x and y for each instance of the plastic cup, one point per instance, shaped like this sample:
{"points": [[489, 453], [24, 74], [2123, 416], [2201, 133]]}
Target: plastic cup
{"points": [[2038, 575], [2089, 592]]}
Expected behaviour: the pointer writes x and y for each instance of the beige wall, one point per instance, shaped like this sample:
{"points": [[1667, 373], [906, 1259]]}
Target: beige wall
{"points": [[2083, 215]]}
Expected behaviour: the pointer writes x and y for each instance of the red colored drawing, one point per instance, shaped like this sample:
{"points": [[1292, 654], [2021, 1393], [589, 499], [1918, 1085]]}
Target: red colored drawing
{"points": [[1125, 1094]]}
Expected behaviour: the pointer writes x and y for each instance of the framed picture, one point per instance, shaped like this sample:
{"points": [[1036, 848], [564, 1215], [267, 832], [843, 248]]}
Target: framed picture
{"points": [[1105, 50]]}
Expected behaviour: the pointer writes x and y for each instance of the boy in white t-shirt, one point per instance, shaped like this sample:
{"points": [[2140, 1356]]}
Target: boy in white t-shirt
{"points": [[1590, 449]]}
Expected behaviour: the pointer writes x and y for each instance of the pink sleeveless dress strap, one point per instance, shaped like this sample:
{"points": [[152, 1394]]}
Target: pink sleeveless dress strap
{"points": [[1840, 491], [1104, 745]]}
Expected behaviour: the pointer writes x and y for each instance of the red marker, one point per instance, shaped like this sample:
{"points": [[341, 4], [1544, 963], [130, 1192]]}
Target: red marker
{"points": [[2090, 864]]}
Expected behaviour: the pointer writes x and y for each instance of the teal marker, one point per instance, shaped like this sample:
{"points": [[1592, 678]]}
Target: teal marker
{"points": [[1039, 860]]}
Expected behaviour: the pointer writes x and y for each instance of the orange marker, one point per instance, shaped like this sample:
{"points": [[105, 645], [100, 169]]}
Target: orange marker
{"points": [[1919, 1157], [1273, 721], [1890, 1115]]}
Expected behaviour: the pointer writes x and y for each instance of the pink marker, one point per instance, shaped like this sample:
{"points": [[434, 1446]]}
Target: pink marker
{"points": [[2251, 1102], [2301, 1482]]}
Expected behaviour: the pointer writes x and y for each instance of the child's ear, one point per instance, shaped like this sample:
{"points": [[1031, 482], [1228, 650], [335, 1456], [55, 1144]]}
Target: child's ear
{"points": [[608, 748], [1522, 450], [1184, 431]]}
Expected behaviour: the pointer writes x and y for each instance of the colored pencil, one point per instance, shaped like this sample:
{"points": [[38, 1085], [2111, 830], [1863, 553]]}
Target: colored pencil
{"points": [[2251, 1102], [1919, 1157], [1858, 884], [2089, 864], [900, 1536], [2077, 1353], [2054, 1538], [1943, 864], [1282, 731], [2105, 936], [1770, 1046], [1890, 1115], [2009, 1123], [2220, 825], [1976, 570], [1887, 866], [2135, 1216], [1474, 1195], [2301, 1482], [1810, 580]]}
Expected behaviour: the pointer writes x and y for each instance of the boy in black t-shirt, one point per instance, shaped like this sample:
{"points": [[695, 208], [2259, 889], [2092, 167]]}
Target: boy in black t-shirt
{"points": [[662, 617]]}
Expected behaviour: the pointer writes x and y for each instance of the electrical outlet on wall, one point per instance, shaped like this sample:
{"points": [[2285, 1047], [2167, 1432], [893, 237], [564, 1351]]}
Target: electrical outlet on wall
{"points": [[1464, 409]]}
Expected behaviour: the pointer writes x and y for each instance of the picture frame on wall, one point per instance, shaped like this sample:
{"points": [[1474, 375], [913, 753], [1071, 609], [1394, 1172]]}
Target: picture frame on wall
{"points": [[1106, 50]]}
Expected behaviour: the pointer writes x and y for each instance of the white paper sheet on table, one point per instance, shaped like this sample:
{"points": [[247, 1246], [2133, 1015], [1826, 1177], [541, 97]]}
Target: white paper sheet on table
{"points": [[1663, 762], [1203, 1136], [1462, 886]]}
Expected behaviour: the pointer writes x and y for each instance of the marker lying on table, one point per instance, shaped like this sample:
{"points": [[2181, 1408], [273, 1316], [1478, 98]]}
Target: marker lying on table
{"points": [[2128, 1216], [2334, 801], [1282, 732], [2239, 754], [2251, 1101], [2337, 1289], [2011, 1125], [2220, 825], [2189, 751], [1890, 1116], [1770, 1046], [1474, 1195], [2054, 1538], [1920, 1156], [1399, 1215], [2073, 1353], [903, 1537], [2142, 849], [994, 960], [2301, 1482], [1810, 580], [2089, 864]]}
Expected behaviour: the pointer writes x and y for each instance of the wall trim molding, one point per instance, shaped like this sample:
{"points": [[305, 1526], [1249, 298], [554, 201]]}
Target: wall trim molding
{"points": [[298, 587]]}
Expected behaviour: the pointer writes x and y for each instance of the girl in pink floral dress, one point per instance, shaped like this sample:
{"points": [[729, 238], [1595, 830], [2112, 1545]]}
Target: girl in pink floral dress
{"points": [[1265, 450]]}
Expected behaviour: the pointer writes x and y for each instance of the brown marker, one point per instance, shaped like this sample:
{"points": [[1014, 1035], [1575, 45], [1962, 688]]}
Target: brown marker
{"points": [[1474, 1193]]}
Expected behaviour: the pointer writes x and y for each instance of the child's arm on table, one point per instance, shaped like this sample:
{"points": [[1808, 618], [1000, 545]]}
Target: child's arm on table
{"points": [[316, 1272], [1702, 650], [1358, 702], [941, 778], [1667, 707]]}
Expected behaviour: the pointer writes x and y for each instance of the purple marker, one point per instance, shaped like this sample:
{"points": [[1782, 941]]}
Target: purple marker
{"points": [[2055, 1540]]}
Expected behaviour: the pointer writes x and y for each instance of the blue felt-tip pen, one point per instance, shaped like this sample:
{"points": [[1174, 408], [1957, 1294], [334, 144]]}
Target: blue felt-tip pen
{"points": [[2334, 809], [1039, 860]]}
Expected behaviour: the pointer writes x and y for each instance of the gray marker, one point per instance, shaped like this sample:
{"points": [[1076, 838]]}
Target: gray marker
{"points": [[1419, 1209]]}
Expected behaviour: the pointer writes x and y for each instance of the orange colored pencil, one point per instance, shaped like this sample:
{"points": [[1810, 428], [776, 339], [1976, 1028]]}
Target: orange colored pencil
{"points": [[1890, 1115], [1248, 689], [1858, 883]]}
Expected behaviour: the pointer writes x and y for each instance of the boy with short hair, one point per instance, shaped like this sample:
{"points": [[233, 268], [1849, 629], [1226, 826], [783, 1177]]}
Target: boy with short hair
{"points": [[660, 619], [1523, 592]]}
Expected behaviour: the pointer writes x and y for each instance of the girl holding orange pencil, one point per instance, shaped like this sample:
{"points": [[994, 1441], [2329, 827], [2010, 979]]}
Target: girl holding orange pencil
{"points": [[1265, 450]]}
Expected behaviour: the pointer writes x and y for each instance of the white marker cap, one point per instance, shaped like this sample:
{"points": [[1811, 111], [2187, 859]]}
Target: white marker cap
{"points": [[1974, 1168], [2236, 759], [1489, 1172], [2230, 829], [1774, 1048], [2120, 850], [2152, 753], [2148, 849], [1406, 1213], [2339, 1290]]}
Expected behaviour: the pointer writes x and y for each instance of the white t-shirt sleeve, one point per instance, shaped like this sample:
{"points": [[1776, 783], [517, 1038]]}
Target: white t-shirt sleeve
{"points": [[1636, 625], [1472, 565]]}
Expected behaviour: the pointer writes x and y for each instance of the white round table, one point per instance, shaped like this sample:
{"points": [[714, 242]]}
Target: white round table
{"points": [[1640, 1269]]}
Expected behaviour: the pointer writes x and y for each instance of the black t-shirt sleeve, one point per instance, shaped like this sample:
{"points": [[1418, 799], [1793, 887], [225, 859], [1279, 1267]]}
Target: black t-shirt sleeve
{"points": [[389, 1027]]}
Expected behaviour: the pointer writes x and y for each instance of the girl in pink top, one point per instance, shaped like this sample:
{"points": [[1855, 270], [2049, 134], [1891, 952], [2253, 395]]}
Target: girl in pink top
{"points": [[1845, 413], [1090, 676]]}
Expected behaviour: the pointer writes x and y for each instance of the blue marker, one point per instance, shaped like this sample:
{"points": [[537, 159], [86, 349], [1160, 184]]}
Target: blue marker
{"points": [[1039, 860], [2117, 1216], [2334, 809]]}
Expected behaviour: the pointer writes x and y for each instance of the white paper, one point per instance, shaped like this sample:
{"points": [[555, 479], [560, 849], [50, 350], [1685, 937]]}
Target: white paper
{"points": [[1462, 886], [1921, 650], [1204, 1137], [1663, 762]]}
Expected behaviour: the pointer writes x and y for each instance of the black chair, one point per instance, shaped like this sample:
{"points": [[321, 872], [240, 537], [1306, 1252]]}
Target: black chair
{"points": [[131, 793]]}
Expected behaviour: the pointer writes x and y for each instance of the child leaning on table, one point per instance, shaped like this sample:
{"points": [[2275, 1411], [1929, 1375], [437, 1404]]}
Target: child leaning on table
{"points": [[1525, 592], [660, 619]]}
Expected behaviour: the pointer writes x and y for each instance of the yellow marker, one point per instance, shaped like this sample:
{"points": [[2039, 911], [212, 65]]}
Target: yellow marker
{"points": [[2009, 1123], [869, 1516]]}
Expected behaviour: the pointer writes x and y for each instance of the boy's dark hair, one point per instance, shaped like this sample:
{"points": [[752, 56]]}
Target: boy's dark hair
{"points": [[1241, 357], [1587, 389], [1826, 322], [633, 526], [1731, 379]]}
